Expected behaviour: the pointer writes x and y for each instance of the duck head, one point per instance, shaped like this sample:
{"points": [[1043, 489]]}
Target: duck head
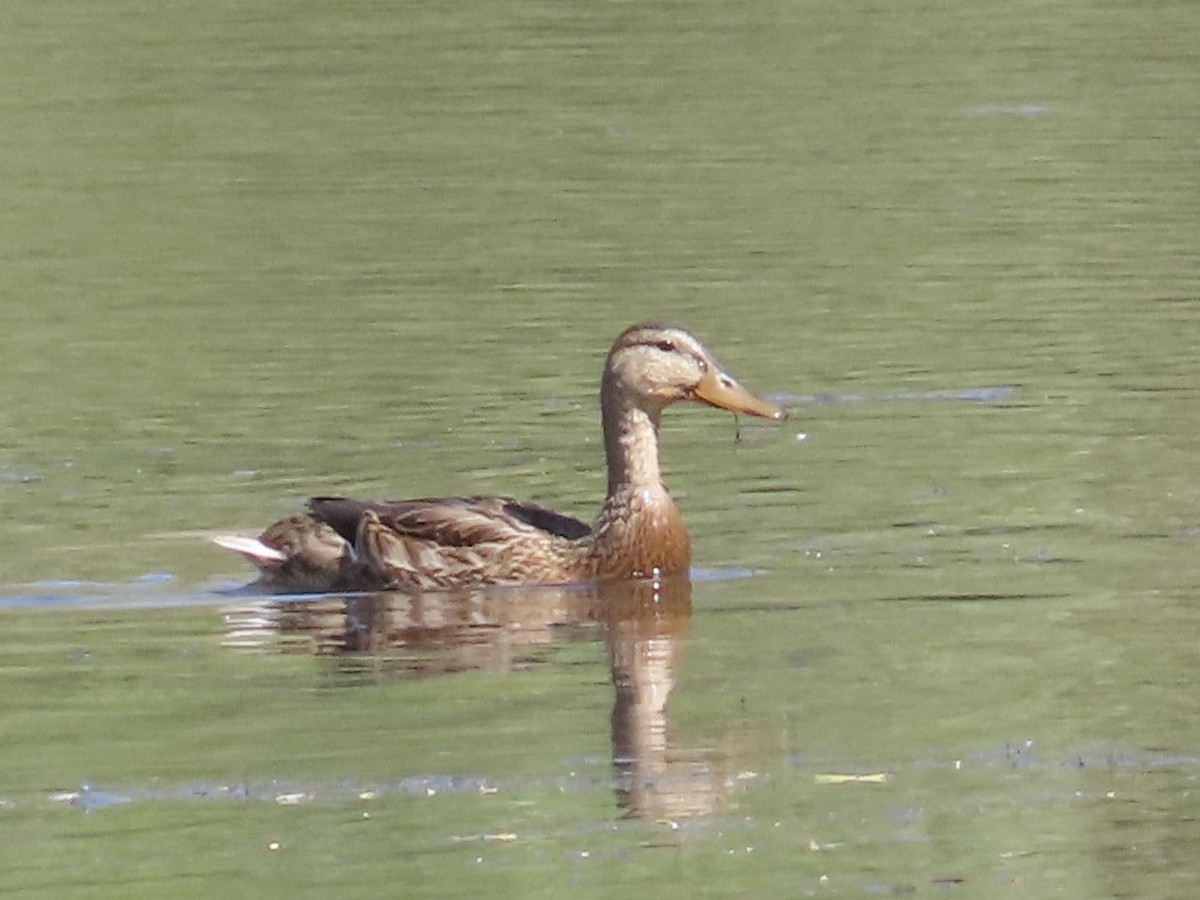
{"points": [[652, 366]]}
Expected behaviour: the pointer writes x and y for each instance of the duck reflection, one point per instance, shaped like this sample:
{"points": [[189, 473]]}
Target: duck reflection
{"points": [[641, 623], [391, 634], [644, 624]]}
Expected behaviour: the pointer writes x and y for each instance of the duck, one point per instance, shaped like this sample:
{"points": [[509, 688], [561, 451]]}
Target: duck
{"points": [[342, 544]]}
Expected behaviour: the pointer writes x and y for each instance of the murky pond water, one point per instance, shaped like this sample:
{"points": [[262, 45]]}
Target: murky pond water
{"points": [[942, 636]]}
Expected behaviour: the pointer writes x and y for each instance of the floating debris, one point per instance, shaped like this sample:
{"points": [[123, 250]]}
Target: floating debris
{"points": [[500, 837], [876, 778]]}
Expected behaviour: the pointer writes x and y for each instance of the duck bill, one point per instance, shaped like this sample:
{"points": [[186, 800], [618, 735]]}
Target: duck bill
{"points": [[720, 390]]}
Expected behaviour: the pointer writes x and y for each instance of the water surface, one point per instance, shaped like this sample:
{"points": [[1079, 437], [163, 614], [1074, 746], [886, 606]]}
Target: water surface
{"points": [[253, 253]]}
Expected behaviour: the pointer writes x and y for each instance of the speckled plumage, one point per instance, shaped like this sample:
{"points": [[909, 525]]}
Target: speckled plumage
{"points": [[438, 543]]}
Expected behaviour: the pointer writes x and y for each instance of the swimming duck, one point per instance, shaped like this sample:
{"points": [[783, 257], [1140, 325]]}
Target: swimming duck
{"points": [[438, 543]]}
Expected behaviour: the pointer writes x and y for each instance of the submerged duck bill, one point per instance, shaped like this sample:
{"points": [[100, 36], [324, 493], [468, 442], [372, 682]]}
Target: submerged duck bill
{"points": [[720, 390]]}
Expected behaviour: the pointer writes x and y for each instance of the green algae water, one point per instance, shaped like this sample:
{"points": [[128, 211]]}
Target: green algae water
{"points": [[941, 633]]}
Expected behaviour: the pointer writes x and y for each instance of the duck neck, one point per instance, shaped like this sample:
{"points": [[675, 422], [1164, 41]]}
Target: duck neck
{"points": [[631, 448], [639, 531]]}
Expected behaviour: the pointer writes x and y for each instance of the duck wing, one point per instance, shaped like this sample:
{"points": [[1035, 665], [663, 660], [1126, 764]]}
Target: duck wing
{"points": [[454, 521], [455, 541]]}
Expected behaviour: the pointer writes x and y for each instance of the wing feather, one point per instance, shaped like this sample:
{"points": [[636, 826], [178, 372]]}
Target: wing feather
{"points": [[438, 542]]}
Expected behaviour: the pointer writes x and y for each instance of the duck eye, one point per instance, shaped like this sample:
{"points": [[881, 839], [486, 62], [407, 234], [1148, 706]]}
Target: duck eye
{"points": [[665, 346]]}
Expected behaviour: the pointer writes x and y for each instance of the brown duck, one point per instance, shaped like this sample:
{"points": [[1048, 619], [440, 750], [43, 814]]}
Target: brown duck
{"points": [[345, 544]]}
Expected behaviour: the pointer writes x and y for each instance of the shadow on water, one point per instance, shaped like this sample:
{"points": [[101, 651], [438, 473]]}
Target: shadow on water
{"points": [[643, 625]]}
